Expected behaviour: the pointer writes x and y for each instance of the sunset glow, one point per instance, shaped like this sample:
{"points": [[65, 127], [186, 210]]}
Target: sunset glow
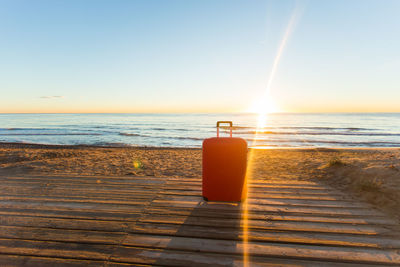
{"points": [[204, 56]]}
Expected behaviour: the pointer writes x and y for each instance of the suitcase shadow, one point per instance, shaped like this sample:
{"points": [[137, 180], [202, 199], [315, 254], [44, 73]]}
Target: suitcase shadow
{"points": [[211, 234]]}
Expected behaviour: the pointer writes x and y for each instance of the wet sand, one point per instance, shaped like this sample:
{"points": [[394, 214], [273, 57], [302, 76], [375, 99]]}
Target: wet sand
{"points": [[373, 175]]}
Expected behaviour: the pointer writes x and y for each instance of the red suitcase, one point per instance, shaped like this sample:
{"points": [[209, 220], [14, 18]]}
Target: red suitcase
{"points": [[224, 167]]}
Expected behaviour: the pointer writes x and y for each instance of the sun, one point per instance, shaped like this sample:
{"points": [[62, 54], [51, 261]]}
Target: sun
{"points": [[263, 106]]}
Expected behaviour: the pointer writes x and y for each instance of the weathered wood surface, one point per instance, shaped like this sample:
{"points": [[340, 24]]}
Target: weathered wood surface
{"points": [[139, 221]]}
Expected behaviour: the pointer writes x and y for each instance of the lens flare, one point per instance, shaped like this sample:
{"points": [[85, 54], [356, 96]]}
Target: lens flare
{"points": [[262, 107], [137, 164]]}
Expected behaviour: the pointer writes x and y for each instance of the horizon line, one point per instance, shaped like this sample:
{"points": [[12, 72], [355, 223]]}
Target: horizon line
{"points": [[217, 112]]}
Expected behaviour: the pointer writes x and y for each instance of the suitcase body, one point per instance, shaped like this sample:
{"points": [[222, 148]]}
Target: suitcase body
{"points": [[224, 168]]}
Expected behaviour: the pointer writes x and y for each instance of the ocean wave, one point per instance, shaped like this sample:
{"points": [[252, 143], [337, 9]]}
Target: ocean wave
{"points": [[319, 133], [303, 128], [60, 128], [185, 138], [111, 144], [163, 137], [170, 129], [235, 127], [28, 134], [326, 142], [326, 128], [24, 129], [129, 134], [166, 143]]}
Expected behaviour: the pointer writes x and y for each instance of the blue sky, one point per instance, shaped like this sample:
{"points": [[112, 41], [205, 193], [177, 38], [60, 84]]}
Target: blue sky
{"points": [[198, 56]]}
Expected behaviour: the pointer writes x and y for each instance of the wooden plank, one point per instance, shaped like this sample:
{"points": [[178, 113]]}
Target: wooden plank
{"points": [[326, 227], [256, 193], [166, 257], [109, 190], [81, 251], [270, 217], [58, 223], [267, 193], [252, 182], [275, 202], [78, 185], [67, 199], [73, 178], [71, 205], [224, 233], [18, 260], [308, 202], [78, 181], [270, 195], [134, 181], [64, 235], [289, 190], [266, 208], [294, 192], [344, 254], [80, 196], [92, 187], [323, 197], [74, 214], [288, 186], [283, 182], [84, 193], [254, 186], [130, 179]]}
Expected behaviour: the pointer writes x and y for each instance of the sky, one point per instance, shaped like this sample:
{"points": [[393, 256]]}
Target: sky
{"points": [[199, 56]]}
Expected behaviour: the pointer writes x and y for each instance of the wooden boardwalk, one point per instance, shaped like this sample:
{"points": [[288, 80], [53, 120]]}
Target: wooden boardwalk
{"points": [[125, 221]]}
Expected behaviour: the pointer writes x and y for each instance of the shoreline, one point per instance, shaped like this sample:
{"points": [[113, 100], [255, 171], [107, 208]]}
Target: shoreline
{"points": [[54, 146]]}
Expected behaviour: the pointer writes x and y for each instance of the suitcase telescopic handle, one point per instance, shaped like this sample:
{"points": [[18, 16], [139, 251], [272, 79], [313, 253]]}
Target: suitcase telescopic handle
{"points": [[224, 122]]}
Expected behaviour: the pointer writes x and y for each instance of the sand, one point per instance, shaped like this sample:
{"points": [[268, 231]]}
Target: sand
{"points": [[373, 175]]}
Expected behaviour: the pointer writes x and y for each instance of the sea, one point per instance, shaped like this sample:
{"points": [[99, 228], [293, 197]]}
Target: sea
{"points": [[189, 130]]}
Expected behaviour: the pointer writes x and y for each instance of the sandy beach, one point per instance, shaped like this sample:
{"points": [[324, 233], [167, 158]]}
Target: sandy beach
{"points": [[369, 174]]}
